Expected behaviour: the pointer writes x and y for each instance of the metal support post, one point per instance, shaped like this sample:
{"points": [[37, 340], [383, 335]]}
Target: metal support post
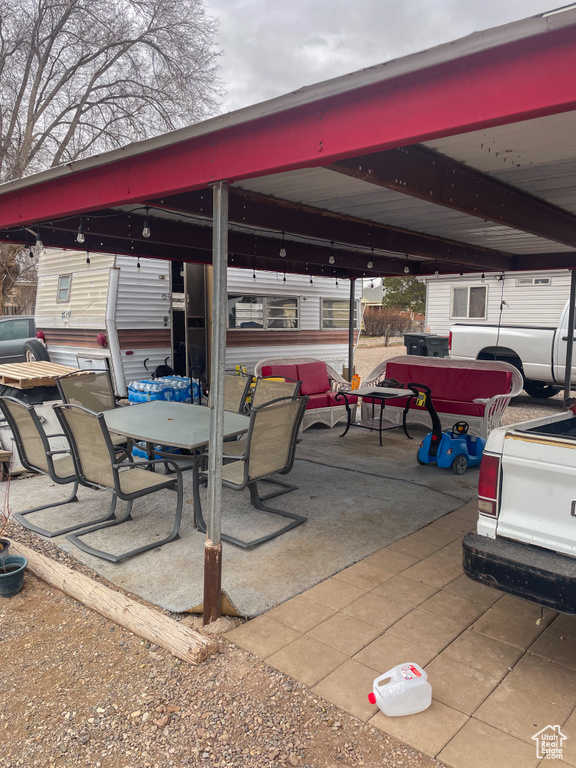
{"points": [[213, 545], [570, 337], [351, 328]]}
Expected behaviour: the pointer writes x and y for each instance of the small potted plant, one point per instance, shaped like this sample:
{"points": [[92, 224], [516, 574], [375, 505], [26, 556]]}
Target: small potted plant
{"points": [[11, 566]]}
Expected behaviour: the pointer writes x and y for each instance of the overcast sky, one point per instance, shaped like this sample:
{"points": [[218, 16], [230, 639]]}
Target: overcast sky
{"points": [[272, 47]]}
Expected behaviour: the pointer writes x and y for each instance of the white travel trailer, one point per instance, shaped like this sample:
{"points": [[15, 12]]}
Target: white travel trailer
{"points": [[117, 311], [519, 299]]}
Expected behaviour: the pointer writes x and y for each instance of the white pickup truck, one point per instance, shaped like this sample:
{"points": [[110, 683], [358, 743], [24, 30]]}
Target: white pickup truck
{"points": [[525, 541], [539, 352]]}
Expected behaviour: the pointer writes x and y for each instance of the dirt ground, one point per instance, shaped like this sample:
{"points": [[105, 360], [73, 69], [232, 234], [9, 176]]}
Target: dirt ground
{"points": [[78, 690]]}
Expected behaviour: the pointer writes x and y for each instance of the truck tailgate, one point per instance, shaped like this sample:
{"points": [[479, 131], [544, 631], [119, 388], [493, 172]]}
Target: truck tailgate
{"points": [[538, 495]]}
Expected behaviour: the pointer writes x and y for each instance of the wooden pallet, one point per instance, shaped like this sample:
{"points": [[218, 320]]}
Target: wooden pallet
{"points": [[29, 375]]}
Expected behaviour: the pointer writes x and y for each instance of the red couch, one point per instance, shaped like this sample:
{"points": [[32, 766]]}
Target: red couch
{"points": [[319, 381], [476, 391]]}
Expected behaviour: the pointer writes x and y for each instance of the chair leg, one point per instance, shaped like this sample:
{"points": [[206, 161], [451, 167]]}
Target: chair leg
{"points": [[257, 502], [285, 488], [75, 537], [20, 517]]}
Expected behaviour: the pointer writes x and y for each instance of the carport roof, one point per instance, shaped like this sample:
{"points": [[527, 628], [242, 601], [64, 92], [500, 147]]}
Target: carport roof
{"points": [[459, 158]]}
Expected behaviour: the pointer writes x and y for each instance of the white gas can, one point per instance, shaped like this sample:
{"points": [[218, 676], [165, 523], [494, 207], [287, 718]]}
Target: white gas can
{"points": [[403, 690]]}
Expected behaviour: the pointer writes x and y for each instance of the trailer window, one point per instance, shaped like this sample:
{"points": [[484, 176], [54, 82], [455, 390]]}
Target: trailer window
{"points": [[469, 302], [263, 312], [336, 313], [281, 312], [64, 285]]}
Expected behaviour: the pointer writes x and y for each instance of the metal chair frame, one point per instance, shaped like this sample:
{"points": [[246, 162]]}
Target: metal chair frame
{"points": [[171, 483], [51, 455], [250, 482]]}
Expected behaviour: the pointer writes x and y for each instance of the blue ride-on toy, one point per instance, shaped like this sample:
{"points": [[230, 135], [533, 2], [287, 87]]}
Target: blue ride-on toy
{"points": [[453, 448]]}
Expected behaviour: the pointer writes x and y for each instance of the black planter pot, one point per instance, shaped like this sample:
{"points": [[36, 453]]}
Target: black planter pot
{"points": [[12, 575], [4, 548]]}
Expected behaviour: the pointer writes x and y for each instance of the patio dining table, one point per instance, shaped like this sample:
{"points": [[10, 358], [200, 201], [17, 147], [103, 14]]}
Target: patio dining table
{"points": [[179, 425]]}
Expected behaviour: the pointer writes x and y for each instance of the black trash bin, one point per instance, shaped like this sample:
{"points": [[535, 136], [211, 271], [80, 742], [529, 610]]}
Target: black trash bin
{"points": [[416, 343], [437, 346]]}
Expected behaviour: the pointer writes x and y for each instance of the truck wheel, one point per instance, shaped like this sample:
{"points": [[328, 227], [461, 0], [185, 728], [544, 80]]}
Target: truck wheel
{"points": [[460, 464], [35, 351], [540, 389]]}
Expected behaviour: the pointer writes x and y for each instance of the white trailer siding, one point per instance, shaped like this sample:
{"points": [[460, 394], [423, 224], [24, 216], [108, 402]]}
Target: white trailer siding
{"points": [[86, 307], [309, 295], [526, 304], [144, 295]]}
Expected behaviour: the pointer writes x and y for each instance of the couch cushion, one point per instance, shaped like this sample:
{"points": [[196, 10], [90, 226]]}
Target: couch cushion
{"points": [[460, 384], [457, 407], [286, 369], [314, 378], [317, 401], [340, 401]]}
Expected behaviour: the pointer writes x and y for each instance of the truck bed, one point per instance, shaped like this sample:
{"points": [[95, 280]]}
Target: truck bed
{"points": [[559, 429]]}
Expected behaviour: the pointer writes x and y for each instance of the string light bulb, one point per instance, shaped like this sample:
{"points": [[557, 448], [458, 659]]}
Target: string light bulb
{"points": [[331, 258], [80, 237], [253, 274], [88, 258], [39, 243], [30, 252], [311, 281], [282, 248], [284, 280], [483, 276], [138, 264], [146, 228], [370, 264]]}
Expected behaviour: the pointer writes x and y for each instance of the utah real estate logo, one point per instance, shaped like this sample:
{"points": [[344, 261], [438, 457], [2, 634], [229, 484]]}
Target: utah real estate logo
{"points": [[549, 742]]}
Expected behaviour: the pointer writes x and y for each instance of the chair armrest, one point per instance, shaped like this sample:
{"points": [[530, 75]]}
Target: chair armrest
{"points": [[54, 453], [58, 434]]}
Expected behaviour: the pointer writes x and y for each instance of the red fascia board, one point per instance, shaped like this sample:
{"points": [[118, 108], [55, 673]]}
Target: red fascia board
{"points": [[522, 80]]}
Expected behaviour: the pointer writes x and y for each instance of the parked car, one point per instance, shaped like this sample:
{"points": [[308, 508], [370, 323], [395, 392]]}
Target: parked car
{"points": [[538, 352], [18, 342], [525, 540]]}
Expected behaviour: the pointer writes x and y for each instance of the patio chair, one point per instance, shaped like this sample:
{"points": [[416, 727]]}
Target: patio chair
{"points": [[36, 455], [265, 390], [236, 389], [97, 466], [93, 390], [269, 450]]}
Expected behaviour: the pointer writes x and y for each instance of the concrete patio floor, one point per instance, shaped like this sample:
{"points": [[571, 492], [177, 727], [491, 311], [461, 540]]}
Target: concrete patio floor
{"points": [[357, 497], [500, 669]]}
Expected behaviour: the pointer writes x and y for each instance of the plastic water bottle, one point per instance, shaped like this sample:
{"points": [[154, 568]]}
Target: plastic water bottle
{"points": [[407, 692]]}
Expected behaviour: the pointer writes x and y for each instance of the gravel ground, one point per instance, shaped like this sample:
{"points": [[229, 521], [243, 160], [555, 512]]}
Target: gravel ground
{"points": [[78, 690]]}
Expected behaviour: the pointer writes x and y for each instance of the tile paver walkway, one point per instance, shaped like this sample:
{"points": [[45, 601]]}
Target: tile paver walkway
{"points": [[500, 671]]}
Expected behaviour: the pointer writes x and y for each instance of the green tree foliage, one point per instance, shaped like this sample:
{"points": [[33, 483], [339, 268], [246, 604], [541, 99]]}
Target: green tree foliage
{"points": [[405, 293]]}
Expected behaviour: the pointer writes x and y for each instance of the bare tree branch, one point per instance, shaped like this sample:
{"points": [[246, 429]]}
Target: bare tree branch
{"points": [[85, 76]]}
